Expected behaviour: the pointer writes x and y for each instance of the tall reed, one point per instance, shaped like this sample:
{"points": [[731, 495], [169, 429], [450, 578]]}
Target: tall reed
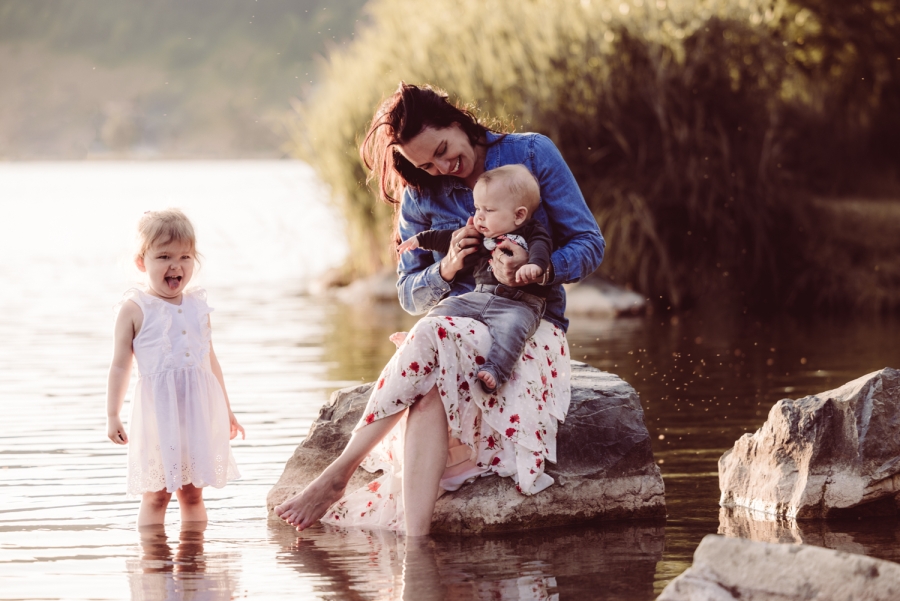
{"points": [[681, 120]]}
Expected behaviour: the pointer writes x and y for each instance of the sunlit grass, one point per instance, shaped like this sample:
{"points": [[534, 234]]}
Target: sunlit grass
{"points": [[695, 129]]}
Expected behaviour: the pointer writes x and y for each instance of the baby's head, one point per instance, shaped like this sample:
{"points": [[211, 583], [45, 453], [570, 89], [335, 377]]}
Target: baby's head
{"points": [[505, 198], [167, 251]]}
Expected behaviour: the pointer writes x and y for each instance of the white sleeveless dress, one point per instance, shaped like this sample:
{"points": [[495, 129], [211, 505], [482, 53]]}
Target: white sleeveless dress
{"points": [[179, 428]]}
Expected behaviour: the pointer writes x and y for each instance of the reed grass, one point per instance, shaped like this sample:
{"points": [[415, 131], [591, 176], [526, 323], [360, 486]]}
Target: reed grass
{"points": [[696, 129]]}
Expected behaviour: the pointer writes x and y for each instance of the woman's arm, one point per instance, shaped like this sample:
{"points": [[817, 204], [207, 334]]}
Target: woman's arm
{"points": [[217, 372], [422, 282], [579, 243], [120, 370]]}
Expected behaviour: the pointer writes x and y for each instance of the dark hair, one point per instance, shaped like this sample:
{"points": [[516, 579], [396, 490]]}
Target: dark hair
{"points": [[399, 119]]}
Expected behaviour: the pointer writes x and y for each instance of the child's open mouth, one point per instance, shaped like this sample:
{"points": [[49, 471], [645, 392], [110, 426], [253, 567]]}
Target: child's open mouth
{"points": [[173, 282]]}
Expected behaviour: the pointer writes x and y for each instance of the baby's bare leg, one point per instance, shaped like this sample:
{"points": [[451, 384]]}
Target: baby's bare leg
{"points": [[153, 508], [190, 499], [307, 507]]}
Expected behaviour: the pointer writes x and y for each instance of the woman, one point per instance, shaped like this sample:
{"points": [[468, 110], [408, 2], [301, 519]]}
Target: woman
{"points": [[430, 152]]}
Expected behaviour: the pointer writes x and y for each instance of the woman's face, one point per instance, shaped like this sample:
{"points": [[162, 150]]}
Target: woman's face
{"points": [[445, 151]]}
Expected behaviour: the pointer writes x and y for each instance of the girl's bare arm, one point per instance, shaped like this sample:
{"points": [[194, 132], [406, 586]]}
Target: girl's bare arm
{"points": [[127, 325], [217, 371]]}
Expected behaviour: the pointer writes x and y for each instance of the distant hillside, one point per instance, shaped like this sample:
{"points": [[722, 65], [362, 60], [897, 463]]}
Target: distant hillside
{"points": [[161, 79]]}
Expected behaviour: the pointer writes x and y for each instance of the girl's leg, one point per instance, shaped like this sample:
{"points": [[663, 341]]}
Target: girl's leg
{"points": [[190, 499], [304, 509], [153, 508], [424, 460]]}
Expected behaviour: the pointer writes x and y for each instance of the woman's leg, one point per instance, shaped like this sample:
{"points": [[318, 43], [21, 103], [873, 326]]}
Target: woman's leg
{"points": [[190, 499], [306, 508], [153, 508], [424, 460]]}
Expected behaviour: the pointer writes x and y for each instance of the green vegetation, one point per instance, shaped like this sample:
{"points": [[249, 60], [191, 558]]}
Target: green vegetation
{"points": [[699, 131]]}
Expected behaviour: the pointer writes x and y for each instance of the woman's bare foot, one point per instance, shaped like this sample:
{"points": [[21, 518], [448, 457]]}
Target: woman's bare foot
{"points": [[306, 508], [397, 338], [488, 383]]}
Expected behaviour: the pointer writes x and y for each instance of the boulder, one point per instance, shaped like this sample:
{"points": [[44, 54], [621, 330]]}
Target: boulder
{"points": [[727, 569], [606, 469], [830, 455]]}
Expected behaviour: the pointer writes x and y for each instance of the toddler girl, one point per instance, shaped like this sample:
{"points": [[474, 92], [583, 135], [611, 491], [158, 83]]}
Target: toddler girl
{"points": [[181, 420]]}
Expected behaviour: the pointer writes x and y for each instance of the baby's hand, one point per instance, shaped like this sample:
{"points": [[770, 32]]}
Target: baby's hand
{"points": [[236, 427], [116, 431], [408, 245], [528, 273]]}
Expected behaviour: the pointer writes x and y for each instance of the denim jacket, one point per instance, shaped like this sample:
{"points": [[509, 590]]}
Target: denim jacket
{"points": [[578, 244]]}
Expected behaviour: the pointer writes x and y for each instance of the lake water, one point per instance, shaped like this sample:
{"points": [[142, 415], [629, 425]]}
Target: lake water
{"points": [[266, 232]]}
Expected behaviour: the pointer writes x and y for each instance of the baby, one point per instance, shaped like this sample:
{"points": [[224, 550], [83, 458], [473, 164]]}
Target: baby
{"points": [[505, 201]]}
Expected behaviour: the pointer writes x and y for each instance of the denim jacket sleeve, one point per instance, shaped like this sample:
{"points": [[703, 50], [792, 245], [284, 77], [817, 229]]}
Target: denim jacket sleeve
{"points": [[579, 243], [419, 285]]}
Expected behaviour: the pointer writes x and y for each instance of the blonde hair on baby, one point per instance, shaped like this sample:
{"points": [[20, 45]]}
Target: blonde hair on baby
{"points": [[156, 228], [519, 181]]}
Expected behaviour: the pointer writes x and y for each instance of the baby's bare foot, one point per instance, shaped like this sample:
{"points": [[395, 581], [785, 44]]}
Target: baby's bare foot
{"points": [[488, 383], [397, 338], [306, 508]]}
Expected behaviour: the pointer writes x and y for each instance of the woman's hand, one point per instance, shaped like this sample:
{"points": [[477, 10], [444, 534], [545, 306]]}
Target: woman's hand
{"points": [[463, 243], [506, 266]]}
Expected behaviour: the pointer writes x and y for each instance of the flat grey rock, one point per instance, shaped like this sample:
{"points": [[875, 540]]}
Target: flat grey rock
{"points": [[593, 297], [606, 469], [596, 297], [831, 455], [727, 569]]}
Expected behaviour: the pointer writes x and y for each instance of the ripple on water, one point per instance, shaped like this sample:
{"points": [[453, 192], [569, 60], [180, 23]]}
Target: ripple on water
{"points": [[66, 529]]}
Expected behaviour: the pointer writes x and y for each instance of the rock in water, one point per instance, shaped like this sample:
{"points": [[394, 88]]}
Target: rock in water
{"points": [[605, 470], [835, 454], [727, 569]]}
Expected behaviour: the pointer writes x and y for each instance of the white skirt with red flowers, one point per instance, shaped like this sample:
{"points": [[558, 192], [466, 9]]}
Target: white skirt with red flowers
{"points": [[510, 432]]}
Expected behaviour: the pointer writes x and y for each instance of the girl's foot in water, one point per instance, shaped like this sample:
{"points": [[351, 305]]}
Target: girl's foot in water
{"points": [[306, 508]]}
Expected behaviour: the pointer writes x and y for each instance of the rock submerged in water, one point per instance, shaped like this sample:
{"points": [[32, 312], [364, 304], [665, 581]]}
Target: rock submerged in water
{"points": [[834, 454], [606, 469], [728, 569], [594, 297]]}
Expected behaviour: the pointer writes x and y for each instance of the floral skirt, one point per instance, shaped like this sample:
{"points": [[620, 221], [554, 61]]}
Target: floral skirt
{"points": [[510, 432]]}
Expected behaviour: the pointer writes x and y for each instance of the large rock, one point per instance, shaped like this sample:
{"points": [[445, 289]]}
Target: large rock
{"points": [[835, 454], [605, 471], [726, 569]]}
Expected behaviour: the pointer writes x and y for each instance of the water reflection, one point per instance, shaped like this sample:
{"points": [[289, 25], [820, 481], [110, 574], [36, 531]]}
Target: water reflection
{"points": [[876, 537], [187, 573], [704, 379], [609, 561]]}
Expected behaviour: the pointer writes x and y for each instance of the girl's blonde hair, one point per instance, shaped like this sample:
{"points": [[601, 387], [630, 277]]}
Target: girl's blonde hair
{"points": [[163, 227]]}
